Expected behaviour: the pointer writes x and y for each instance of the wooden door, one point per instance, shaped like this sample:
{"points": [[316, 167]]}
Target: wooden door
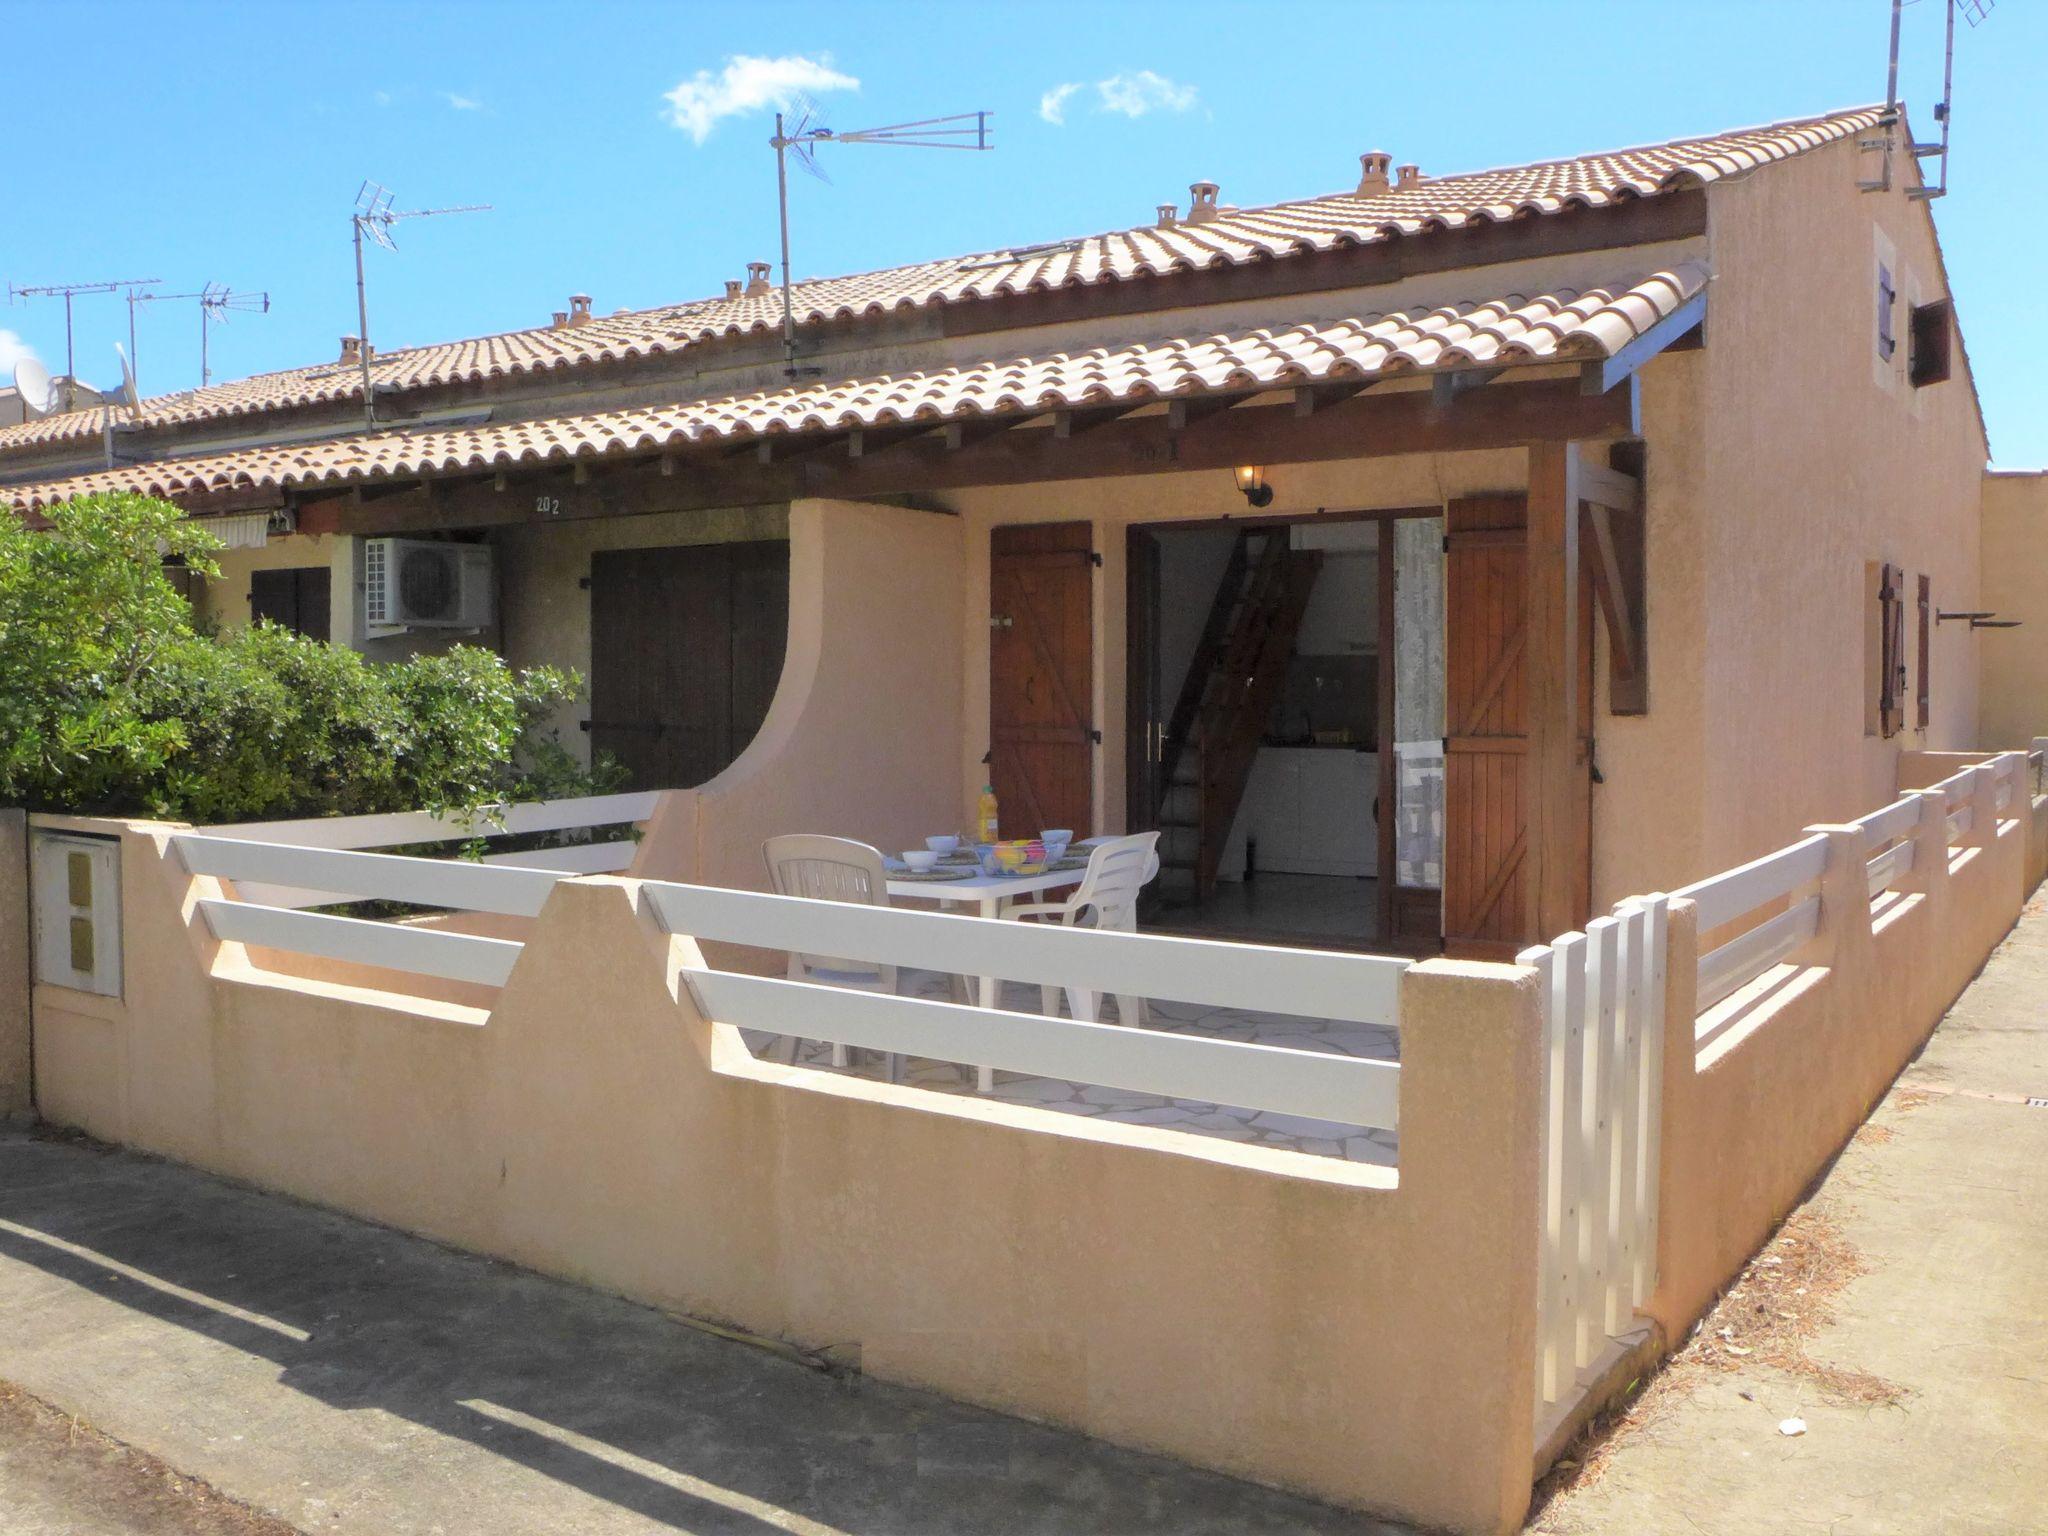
{"points": [[1041, 724], [1486, 724], [686, 648]]}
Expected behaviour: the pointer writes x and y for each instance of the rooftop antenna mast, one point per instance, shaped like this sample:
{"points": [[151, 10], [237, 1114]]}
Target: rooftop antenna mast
{"points": [[69, 291], [216, 302], [1975, 12], [374, 216], [962, 130]]}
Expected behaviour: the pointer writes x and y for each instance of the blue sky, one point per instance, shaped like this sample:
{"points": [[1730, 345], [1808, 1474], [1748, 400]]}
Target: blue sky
{"points": [[623, 148]]}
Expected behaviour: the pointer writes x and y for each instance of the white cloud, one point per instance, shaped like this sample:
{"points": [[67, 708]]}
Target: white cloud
{"points": [[1137, 92], [12, 350], [462, 103], [1052, 106], [747, 84], [382, 98]]}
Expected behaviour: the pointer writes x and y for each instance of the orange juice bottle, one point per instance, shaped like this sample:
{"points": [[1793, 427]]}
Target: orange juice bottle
{"points": [[985, 822]]}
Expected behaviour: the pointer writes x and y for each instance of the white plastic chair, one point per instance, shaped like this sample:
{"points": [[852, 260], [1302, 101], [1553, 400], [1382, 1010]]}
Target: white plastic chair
{"points": [[832, 869], [1107, 897]]}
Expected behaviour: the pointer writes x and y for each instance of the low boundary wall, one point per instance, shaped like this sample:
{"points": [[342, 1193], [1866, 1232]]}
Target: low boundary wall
{"points": [[1335, 1328]]}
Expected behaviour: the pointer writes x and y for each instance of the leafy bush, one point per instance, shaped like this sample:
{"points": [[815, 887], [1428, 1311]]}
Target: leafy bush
{"points": [[111, 700]]}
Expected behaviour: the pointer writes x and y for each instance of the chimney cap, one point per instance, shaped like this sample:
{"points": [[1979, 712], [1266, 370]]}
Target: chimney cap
{"points": [[1373, 166], [732, 287], [579, 309], [757, 277], [1169, 215], [1202, 201], [561, 321], [351, 348], [1406, 176]]}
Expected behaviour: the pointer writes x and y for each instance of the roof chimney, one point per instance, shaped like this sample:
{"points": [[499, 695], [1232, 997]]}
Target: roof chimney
{"points": [[732, 287], [757, 278], [1408, 176], [579, 309], [561, 321], [1169, 215], [1202, 202], [1372, 178], [351, 349]]}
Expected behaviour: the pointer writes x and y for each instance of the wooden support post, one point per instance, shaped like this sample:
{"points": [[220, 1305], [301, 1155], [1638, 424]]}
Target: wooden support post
{"points": [[1559, 813]]}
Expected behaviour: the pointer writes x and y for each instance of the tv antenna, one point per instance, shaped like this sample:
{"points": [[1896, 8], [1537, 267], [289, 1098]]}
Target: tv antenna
{"points": [[216, 302], [962, 130], [374, 217], [68, 292], [1975, 12]]}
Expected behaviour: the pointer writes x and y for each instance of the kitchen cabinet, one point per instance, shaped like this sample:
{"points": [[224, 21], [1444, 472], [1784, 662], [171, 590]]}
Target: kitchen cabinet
{"points": [[1310, 810]]}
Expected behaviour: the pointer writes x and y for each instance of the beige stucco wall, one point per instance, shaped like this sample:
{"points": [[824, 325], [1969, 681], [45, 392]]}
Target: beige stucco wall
{"points": [[1813, 467], [224, 599], [2012, 707], [16, 963], [1751, 1119], [860, 739], [1307, 1322]]}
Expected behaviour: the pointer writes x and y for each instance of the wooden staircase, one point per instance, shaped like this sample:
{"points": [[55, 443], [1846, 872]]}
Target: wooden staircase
{"points": [[1239, 667]]}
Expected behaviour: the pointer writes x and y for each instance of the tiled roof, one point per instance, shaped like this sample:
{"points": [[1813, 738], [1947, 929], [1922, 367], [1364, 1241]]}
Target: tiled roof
{"points": [[1562, 325], [1234, 237]]}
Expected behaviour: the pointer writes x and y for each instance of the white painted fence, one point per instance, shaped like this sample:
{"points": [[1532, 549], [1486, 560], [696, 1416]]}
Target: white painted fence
{"points": [[280, 867], [1307, 983], [1603, 1024]]}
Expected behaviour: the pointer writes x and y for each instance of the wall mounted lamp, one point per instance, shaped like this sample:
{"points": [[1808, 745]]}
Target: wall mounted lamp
{"points": [[1251, 479]]}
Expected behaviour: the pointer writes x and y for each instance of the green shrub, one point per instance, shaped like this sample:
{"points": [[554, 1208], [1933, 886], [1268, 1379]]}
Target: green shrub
{"points": [[112, 702]]}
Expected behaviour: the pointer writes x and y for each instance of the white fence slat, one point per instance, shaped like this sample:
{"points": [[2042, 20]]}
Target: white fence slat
{"points": [[1957, 787], [1895, 820], [456, 956], [1360, 989], [1628, 1116], [1741, 960], [1889, 868], [1596, 1224], [1570, 995], [331, 875], [1344, 1089], [420, 827], [576, 859], [1724, 897], [1649, 1151]]}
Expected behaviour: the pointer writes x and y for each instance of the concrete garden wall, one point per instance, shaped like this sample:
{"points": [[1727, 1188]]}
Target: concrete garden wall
{"points": [[1307, 1322]]}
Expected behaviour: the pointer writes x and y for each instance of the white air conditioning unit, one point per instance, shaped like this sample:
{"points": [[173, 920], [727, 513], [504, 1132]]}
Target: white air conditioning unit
{"points": [[421, 584]]}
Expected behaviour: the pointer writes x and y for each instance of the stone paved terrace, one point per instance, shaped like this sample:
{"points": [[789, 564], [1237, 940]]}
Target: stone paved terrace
{"points": [[1291, 1132]]}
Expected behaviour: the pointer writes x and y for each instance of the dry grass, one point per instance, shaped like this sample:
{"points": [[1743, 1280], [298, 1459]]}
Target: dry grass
{"points": [[1783, 1298], [73, 1465]]}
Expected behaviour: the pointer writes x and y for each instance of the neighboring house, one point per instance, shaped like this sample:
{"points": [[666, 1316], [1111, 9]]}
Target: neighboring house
{"points": [[1599, 515]]}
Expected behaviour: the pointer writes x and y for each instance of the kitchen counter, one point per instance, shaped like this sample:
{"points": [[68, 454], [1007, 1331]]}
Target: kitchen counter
{"points": [[1311, 810]]}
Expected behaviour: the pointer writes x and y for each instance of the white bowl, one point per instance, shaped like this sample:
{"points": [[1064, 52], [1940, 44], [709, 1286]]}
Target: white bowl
{"points": [[921, 859], [1058, 837], [943, 844]]}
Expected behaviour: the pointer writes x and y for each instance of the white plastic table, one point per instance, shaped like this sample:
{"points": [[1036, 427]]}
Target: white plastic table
{"points": [[987, 893]]}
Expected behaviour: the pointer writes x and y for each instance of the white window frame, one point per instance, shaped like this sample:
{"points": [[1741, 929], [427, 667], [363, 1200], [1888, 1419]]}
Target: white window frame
{"points": [[59, 912]]}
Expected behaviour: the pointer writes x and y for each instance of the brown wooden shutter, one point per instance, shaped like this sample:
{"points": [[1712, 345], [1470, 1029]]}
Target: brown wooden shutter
{"points": [[1891, 672], [1926, 649]]}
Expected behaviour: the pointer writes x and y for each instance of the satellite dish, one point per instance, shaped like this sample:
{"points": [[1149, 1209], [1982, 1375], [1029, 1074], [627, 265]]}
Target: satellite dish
{"points": [[128, 396], [38, 389]]}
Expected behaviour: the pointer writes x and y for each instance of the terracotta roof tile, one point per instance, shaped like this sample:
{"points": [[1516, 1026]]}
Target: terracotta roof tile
{"points": [[1256, 234], [1559, 326]]}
